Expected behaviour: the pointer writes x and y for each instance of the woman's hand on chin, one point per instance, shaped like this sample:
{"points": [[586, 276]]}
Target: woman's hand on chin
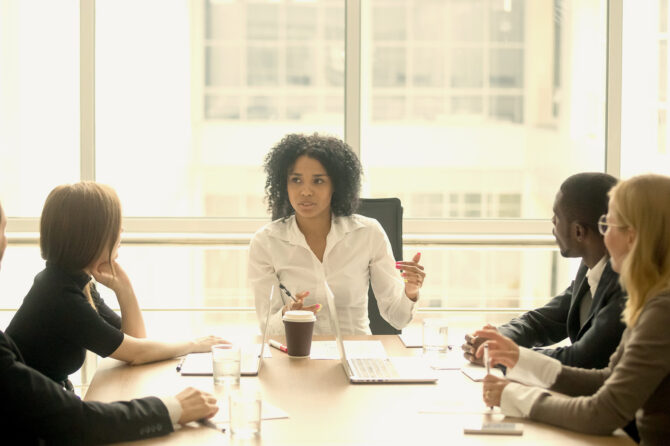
{"points": [[117, 280]]}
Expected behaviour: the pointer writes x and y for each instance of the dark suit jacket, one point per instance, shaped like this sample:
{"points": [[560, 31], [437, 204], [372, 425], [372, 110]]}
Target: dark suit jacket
{"points": [[593, 343], [36, 410]]}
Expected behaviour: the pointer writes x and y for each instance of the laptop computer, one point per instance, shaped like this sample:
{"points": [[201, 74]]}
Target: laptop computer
{"points": [[377, 370], [200, 364]]}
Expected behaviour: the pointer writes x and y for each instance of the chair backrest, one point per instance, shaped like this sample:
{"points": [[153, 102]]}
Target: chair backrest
{"points": [[388, 212]]}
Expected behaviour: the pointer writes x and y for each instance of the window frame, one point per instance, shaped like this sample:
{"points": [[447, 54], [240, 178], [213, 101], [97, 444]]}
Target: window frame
{"points": [[231, 230]]}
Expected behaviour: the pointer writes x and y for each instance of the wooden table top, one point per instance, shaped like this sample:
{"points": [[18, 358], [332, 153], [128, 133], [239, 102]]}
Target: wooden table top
{"points": [[324, 408]]}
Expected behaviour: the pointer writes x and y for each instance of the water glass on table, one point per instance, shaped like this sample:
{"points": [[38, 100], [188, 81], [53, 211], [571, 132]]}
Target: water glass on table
{"points": [[226, 359], [245, 413], [435, 337]]}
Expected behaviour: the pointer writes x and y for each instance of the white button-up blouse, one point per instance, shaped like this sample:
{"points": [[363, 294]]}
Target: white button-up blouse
{"points": [[357, 253]]}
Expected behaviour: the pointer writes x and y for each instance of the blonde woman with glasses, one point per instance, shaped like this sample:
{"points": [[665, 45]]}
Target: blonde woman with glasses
{"points": [[637, 379], [63, 315]]}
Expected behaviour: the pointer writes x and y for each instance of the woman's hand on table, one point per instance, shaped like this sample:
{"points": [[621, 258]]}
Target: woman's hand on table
{"points": [[492, 390], [202, 345]]}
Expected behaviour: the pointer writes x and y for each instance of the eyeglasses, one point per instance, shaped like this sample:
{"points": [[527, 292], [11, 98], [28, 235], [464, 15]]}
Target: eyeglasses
{"points": [[603, 225]]}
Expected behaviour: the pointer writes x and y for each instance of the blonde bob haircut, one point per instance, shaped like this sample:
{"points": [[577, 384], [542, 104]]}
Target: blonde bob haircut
{"points": [[641, 204], [80, 223]]}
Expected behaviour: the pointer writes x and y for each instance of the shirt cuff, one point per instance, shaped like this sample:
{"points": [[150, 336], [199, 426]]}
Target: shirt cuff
{"points": [[414, 301], [173, 407], [517, 400], [535, 369], [410, 306]]}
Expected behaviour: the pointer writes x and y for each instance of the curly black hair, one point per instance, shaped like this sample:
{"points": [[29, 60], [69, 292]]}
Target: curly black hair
{"points": [[340, 162]]}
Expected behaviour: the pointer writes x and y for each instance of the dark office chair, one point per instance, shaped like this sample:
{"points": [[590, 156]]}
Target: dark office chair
{"points": [[388, 212]]}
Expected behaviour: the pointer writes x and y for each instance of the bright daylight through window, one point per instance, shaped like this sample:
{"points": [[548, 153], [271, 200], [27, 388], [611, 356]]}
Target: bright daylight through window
{"points": [[470, 111]]}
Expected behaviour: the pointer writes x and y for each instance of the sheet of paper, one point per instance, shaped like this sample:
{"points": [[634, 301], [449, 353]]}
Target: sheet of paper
{"points": [[443, 401], [412, 337], [477, 372], [447, 405], [454, 360], [200, 364], [268, 412], [354, 349]]}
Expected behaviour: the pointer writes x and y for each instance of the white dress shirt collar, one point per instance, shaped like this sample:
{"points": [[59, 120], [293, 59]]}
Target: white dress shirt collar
{"points": [[290, 232], [594, 274]]}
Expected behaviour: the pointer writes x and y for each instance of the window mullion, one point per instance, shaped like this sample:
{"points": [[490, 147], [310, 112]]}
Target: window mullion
{"points": [[87, 89], [614, 84], [352, 75]]}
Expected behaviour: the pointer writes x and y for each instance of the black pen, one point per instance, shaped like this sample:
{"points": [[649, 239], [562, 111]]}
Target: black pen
{"points": [[287, 292], [210, 424], [181, 363]]}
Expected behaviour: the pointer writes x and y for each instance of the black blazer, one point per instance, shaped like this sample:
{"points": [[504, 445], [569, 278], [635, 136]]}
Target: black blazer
{"points": [[592, 344], [36, 410]]}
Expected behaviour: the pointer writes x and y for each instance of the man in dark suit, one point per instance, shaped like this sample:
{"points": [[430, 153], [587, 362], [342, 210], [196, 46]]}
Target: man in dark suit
{"points": [[36, 410], [588, 312]]}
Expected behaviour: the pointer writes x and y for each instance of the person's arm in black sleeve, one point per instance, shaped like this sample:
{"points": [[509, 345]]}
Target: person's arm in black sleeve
{"points": [[543, 326], [34, 406], [596, 345], [109, 315], [81, 325]]}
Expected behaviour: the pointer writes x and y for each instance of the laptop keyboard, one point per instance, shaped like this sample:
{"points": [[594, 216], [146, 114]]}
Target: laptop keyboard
{"points": [[373, 368]]}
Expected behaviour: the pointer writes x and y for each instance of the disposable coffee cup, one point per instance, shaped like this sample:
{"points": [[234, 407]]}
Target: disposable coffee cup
{"points": [[299, 326]]}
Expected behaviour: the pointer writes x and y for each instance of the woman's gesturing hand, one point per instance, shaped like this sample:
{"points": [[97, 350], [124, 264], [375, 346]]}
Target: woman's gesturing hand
{"points": [[413, 275], [298, 304], [502, 350]]}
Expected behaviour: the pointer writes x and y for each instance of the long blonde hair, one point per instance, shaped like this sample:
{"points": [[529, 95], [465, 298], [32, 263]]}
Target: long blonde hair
{"points": [[642, 204]]}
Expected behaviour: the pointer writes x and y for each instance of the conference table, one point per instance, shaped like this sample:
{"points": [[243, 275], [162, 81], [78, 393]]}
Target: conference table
{"points": [[324, 408]]}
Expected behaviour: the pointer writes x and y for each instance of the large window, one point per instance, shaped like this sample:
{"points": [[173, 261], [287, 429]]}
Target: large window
{"points": [[39, 101], [480, 108], [645, 146], [204, 93], [472, 112]]}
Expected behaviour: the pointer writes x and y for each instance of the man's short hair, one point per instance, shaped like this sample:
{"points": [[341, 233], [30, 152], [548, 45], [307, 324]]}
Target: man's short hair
{"points": [[585, 197]]}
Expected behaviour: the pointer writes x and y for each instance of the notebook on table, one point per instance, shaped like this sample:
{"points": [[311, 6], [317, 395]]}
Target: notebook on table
{"points": [[377, 370], [200, 364]]}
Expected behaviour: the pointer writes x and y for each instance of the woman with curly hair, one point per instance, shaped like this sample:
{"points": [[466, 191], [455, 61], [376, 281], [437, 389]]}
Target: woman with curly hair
{"points": [[312, 189], [636, 383]]}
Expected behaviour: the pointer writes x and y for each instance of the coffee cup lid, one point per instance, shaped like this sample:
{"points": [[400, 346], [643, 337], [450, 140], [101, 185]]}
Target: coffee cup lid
{"points": [[299, 316]]}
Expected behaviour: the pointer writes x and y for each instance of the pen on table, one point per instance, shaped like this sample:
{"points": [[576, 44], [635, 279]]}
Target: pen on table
{"points": [[210, 424], [486, 361], [278, 345], [181, 363], [287, 292]]}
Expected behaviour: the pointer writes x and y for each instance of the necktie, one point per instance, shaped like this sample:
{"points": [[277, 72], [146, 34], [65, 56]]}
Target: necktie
{"points": [[585, 306]]}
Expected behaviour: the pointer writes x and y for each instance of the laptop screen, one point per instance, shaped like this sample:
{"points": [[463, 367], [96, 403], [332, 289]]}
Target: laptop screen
{"points": [[265, 330], [335, 324]]}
